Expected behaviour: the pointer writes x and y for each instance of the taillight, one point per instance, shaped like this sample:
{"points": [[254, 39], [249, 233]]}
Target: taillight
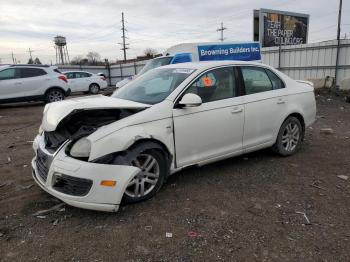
{"points": [[103, 78], [64, 78]]}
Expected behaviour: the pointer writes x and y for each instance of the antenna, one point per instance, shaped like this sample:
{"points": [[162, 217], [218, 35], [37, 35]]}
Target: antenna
{"points": [[221, 29]]}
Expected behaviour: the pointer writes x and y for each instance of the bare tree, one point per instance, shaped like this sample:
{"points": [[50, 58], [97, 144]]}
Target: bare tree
{"points": [[77, 60], [93, 57], [150, 52], [37, 61], [30, 61]]}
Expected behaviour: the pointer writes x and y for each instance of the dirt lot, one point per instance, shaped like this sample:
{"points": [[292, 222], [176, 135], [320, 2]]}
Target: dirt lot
{"points": [[240, 209]]}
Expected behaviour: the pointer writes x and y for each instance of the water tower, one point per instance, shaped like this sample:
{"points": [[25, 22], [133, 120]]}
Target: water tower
{"points": [[62, 56]]}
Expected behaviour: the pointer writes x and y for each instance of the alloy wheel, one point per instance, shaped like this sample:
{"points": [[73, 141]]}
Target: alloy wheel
{"points": [[55, 95], [290, 137], [94, 89], [145, 181]]}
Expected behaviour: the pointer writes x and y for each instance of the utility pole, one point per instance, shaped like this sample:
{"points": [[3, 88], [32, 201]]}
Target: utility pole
{"points": [[13, 59], [338, 43], [221, 29], [30, 53], [123, 36]]}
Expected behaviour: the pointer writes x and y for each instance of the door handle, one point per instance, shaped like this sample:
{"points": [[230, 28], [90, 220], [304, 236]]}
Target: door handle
{"points": [[237, 110], [281, 101], [18, 83]]}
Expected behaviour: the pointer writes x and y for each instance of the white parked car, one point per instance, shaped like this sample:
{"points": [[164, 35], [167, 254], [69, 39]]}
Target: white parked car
{"points": [[94, 152], [20, 83], [81, 81]]}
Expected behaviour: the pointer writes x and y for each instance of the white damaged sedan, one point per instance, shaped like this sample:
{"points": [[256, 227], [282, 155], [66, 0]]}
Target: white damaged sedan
{"points": [[96, 152]]}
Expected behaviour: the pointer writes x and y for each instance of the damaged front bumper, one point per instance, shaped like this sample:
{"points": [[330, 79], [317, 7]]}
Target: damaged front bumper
{"points": [[79, 183]]}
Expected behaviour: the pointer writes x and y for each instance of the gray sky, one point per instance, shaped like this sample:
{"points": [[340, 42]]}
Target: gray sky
{"points": [[94, 25]]}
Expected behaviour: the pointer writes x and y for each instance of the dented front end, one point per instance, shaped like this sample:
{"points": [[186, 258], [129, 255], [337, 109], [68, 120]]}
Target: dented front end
{"points": [[73, 179]]}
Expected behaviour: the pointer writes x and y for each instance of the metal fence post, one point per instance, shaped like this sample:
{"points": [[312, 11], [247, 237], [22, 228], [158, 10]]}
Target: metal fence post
{"points": [[121, 70]]}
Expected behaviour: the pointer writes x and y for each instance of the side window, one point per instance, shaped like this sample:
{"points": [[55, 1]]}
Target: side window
{"points": [[255, 80], [31, 72], [277, 83], [87, 74], [69, 75], [215, 85], [8, 74], [80, 74]]}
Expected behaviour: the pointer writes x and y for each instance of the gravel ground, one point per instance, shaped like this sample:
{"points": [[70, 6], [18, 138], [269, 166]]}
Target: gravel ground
{"points": [[241, 209]]}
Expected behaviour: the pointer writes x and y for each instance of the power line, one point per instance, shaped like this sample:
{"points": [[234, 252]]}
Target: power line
{"points": [[221, 30]]}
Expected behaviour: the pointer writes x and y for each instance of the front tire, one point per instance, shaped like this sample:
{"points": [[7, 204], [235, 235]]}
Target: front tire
{"points": [[289, 137], [146, 183], [54, 95], [94, 89]]}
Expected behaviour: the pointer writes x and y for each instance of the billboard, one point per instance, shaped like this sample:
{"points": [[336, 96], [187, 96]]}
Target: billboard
{"points": [[275, 28]]}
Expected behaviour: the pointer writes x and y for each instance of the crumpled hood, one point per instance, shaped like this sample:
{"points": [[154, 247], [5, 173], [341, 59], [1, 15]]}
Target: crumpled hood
{"points": [[55, 112]]}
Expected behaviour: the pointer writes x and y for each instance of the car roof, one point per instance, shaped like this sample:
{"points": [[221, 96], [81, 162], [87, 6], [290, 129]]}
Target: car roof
{"points": [[29, 65], [75, 71], [209, 64]]}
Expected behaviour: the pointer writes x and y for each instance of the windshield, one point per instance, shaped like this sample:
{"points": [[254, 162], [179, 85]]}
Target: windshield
{"points": [[154, 63], [154, 86]]}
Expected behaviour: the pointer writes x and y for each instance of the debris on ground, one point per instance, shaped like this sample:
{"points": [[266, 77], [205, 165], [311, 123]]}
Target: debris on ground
{"points": [[168, 234], [55, 222], [9, 160], [327, 131], [27, 187], [47, 211], [192, 234], [148, 228], [343, 177], [305, 216]]}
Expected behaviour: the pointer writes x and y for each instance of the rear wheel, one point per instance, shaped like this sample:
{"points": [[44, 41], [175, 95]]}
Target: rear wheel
{"points": [[289, 137], [94, 89], [149, 180], [54, 95]]}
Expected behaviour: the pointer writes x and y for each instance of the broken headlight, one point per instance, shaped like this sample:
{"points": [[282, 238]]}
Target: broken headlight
{"points": [[81, 148]]}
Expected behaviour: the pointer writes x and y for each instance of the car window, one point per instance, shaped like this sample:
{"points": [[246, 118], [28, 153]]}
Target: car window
{"points": [[277, 83], [255, 80], [215, 85], [7, 74], [31, 72], [81, 74], [69, 75], [153, 86], [57, 71]]}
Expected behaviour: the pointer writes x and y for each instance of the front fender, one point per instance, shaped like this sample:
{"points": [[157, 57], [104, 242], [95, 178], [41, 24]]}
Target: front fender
{"points": [[122, 139]]}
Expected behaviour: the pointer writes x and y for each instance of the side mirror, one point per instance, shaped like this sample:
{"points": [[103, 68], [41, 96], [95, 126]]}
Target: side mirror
{"points": [[190, 100]]}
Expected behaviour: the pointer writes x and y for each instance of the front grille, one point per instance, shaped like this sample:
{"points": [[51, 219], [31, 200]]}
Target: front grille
{"points": [[43, 162], [72, 185]]}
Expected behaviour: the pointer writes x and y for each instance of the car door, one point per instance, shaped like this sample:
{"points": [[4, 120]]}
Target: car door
{"points": [[81, 81], [71, 80], [265, 103], [32, 82], [215, 128], [8, 83]]}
